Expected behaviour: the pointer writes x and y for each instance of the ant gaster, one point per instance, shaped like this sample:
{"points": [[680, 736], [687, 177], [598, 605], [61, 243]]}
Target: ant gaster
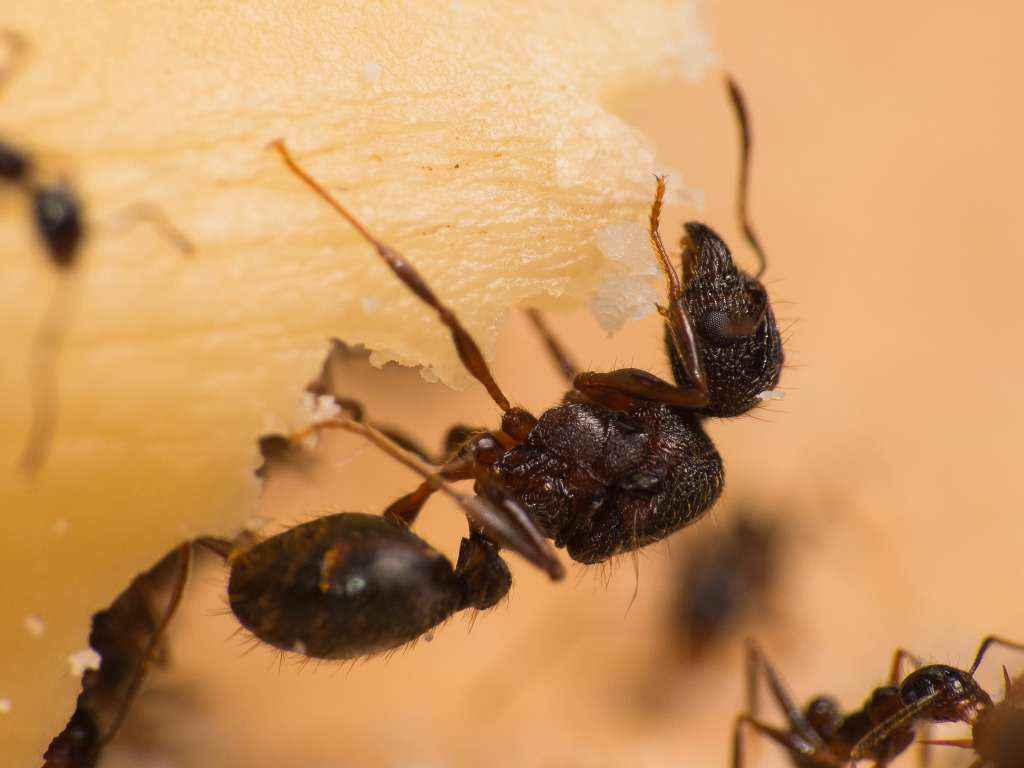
{"points": [[821, 736]]}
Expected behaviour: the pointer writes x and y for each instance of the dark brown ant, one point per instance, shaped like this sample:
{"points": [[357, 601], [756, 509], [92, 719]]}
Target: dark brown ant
{"points": [[820, 736], [726, 576], [59, 220], [624, 461], [939, 693]]}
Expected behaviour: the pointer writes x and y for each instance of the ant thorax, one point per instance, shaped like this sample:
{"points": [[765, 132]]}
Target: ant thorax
{"points": [[601, 482]]}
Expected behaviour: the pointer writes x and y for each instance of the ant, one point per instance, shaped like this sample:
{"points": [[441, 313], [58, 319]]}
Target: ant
{"points": [[821, 736], [58, 215], [624, 461], [939, 693], [727, 577]]}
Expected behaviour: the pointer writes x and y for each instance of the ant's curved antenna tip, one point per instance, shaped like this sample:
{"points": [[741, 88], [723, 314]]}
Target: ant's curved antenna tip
{"points": [[743, 185]]}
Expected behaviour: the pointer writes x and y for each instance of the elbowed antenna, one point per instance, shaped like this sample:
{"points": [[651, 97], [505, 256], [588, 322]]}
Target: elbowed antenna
{"points": [[743, 186]]}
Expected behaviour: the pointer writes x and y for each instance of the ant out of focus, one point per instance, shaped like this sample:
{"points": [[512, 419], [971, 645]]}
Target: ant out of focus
{"points": [[726, 577], [624, 461], [59, 220], [821, 736]]}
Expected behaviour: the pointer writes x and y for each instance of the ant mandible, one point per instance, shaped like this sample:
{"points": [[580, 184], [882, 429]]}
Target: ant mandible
{"points": [[59, 220], [624, 461], [821, 736]]}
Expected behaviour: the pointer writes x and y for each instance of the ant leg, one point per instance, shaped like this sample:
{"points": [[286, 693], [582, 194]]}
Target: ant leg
{"points": [[987, 643], [127, 636], [43, 375], [609, 388], [469, 353], [896, 669], [791, 742], [145, 212], [324, 385], [499, 515], [555, 349], [757, 665]]}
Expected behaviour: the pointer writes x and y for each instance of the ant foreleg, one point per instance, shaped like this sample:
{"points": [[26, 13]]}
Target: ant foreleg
{"points": [[758, 665], [145, 212]]}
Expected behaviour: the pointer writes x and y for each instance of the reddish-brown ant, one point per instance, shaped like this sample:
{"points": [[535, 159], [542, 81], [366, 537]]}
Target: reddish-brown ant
{"points": [[59, 220], [821, 736]]}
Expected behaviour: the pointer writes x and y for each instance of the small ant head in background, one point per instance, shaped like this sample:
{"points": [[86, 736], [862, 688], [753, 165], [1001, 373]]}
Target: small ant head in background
{"points": [[954, 694], [58, 216], [742, 348]]}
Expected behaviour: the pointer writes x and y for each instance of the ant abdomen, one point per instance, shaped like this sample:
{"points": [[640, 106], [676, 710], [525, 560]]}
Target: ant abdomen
{"points": [[351, 585]]}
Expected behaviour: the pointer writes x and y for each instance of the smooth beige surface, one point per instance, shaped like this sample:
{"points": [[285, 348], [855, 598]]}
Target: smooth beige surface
{"points": [[474, 135]]}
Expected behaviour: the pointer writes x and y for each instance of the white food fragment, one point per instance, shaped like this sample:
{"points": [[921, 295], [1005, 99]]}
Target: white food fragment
{"points": [[79, 661], [321, 407], [5, 706], [627, 290], [371, 73], [60, 526], [35, 625], [771, 394]]}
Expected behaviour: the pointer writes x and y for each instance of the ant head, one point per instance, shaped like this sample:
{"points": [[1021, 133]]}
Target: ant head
{"points": [[824, 716], [484, 575], [956, 695], [59, 220], [742, 348]]}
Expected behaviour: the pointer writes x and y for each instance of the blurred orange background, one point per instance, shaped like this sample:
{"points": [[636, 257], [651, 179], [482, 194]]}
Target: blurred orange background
{"points": [[886, 190]]}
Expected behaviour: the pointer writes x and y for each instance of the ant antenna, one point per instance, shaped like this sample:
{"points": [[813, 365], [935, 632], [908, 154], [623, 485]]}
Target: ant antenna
{"points": [[740, 106], [469, 353]]}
